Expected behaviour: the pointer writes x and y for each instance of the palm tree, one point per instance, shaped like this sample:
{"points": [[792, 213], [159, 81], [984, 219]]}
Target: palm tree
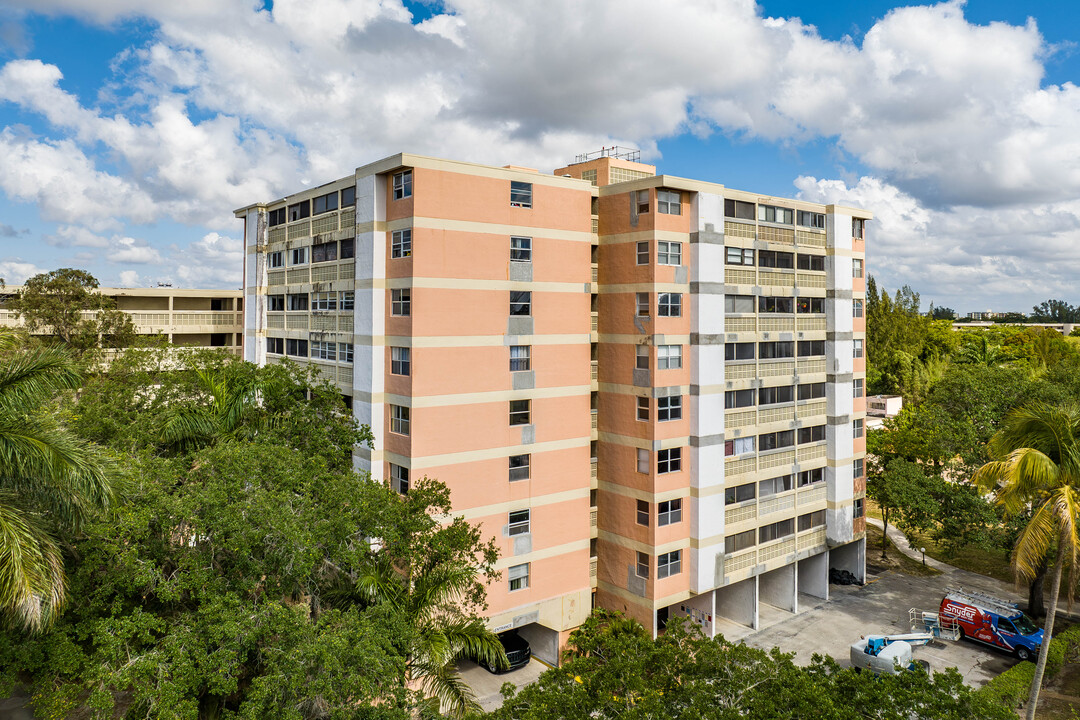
{"points": [[443, 634], [230, 412], [50, 480], [981, 352], [1037, 466]]}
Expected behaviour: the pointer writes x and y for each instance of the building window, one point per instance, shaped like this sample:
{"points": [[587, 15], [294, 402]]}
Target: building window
{"points": [[401, 243], [776, 440], [776, 485], [669, 305], [642, 360], [741, 541], [857, 387], [324, 252], [348, 299], [669, 202], [739, 493], [859, 467], [643, 304], [857, 308], [277, 217], [811, 219], [399, 419], [276, 259], [642, 460], [298, 256], [642, 565], [296, 348], [669, 460], [810, 305], [299, 211], [403, 184], [275, 303], [669, 253], [400, 359], [643, 409], [519, 577], [739, 304], [399, 478], [275, 346], [811, 348], [776, 531], [519, 523], [668, 564], [642, 201], [668, 357], [858, 228], [811, 262], [811, 477], [643, 253], [857, 508], [348, 248], [739, 351], [776, 349], [520, 412], [814, 433], [739, 210], [520, 194], [669, 512], [643, 513], [324, 301], [520, 358], [738, 398], [776, 304], [324, 203], [775, 259], [857, 348], [520, 467], [811, 520], [810, 391], [348, 196], [298, 301], [520, 302], [401, 302], [738, 446], [775, 395], [520, 249], [856, 268], [323, 350], [857, 428], [770, 213], [345, 352], [669, 408], [739, 256]]}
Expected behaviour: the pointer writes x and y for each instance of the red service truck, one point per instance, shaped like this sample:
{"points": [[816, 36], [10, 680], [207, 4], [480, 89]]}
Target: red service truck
{"points": [[992, 621]]}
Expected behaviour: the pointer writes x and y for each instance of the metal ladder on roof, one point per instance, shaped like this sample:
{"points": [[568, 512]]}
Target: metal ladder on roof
{"points": [[1002, 607]]}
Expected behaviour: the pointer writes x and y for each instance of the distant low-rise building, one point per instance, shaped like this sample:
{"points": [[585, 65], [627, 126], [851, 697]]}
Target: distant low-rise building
{"points": [[194, 318]]}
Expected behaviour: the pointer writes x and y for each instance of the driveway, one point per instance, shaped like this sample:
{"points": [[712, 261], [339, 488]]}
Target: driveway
{"points": [[486, 685]]}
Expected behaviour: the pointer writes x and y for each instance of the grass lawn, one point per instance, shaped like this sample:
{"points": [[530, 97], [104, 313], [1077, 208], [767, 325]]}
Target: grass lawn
{"points": [[991, 562], [896, 560]]}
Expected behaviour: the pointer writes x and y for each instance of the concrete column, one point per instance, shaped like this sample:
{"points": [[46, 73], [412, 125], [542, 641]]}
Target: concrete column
{"points": [[369, 317], [814, 575]]}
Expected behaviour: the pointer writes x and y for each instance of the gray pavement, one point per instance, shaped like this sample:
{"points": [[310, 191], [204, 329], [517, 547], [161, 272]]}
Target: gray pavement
{"points": [[486, 685]]}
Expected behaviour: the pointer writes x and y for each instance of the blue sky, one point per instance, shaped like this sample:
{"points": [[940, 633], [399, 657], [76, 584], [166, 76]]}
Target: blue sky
{"points": [[130, 129]]}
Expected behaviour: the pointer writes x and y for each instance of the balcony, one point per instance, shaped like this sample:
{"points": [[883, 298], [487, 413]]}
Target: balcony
{"points": [[592, 517]]}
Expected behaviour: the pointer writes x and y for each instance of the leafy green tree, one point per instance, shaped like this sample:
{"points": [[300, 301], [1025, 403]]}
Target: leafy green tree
{"points": [[905, 495], [430, 572], [1055, 311], [942, 313], [63, 303], [1037, 466], [614, 669], [978, 350], [51, 482]]}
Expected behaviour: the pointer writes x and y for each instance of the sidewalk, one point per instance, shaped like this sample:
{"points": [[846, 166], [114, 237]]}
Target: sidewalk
{"points": [[900, 542]]}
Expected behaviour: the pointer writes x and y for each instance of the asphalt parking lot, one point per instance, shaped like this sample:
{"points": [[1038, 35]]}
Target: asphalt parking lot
{"points": [[880, 607]]}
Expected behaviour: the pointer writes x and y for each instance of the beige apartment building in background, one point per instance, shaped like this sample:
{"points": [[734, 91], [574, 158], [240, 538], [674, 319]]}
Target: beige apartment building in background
{"points": [[195, 318], [647, 389]]}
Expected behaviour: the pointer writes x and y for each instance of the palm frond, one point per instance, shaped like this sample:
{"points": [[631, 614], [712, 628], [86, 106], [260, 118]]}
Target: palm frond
{"points": [[188, 427], [32, 582], [30, 377], [1035, 540], [442, 682]]}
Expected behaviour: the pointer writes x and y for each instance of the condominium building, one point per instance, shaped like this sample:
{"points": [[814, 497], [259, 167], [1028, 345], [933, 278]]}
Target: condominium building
{"points": [[197, 318], [647, 389]]}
